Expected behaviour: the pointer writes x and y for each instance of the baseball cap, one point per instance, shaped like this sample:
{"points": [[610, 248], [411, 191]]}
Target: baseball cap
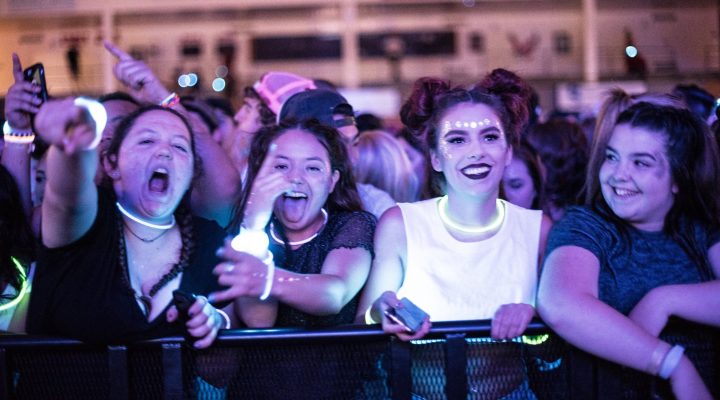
{"points": [[321, 104]]}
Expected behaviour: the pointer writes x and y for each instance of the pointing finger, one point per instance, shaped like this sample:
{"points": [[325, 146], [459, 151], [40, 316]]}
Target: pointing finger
{"points": [[114, 50], [17, 68]]}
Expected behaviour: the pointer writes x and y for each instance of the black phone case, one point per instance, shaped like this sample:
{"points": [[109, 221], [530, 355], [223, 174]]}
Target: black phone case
{"points": [[36, 74], [183, 301]]}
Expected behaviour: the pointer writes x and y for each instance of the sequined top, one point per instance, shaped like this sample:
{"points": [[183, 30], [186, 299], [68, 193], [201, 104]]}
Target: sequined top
{"points": [[343, 230]]}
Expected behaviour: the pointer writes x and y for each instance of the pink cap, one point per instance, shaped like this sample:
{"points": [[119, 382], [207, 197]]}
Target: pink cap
{"points": [[276, 87]]}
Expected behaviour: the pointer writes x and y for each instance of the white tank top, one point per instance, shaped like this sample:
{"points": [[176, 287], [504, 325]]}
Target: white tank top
{"points": [[454, 280]]}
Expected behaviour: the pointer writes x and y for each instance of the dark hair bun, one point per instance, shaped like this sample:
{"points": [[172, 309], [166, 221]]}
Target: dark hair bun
{"points": [[418, 108], [513, 92]]}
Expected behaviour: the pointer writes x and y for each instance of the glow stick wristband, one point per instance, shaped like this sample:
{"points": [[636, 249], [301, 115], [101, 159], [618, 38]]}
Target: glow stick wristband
{"points": [[268, 280], [256, 242], [251, 241], [99, 116], [18, 137], [225, 317], [368, 317], [23, 287]]}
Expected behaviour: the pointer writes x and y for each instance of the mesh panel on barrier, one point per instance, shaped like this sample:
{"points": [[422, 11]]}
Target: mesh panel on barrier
{"points": [[145, 373], [494, 370], [547, 369], [282, 370], [66, 373], [428, 369], [340, 367]]}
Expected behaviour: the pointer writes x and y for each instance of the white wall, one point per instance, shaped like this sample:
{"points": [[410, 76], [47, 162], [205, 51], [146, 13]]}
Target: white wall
{"points": [[688, 35]]}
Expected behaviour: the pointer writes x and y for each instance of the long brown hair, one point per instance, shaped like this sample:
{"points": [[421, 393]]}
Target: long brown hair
{"points": [[344, 197], [182, 213], [617, 102], [695, 168]]}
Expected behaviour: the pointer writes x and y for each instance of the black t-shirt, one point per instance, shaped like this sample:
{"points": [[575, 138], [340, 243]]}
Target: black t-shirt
{"points": [[343, 230], [79, 290]]}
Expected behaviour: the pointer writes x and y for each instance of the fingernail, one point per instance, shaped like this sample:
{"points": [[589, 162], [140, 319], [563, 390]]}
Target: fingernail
{"points": [[273, 146], [229, 267], [220, 252], [211, 297]]}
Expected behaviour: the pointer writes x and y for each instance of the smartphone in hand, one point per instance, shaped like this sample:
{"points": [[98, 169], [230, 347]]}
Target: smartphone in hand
{"points": [[183, 301], [407, 314], [36, 74]]}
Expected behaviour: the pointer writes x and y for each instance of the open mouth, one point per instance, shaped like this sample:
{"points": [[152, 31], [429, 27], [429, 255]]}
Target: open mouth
{"points": [[293, 195], [476, 171], [159, 181], [293, 205]]}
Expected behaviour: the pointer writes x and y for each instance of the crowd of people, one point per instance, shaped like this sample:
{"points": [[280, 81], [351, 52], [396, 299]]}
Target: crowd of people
{"points": [[293, 211]]}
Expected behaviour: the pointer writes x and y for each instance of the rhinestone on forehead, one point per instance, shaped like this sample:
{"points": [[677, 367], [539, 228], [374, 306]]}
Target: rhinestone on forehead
{"points": [[447, 125]]}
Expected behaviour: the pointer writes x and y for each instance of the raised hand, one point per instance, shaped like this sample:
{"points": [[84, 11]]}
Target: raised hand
{"points": [[22, 100], [242, 273], [137, 76], [267, 186], [63, 124]]}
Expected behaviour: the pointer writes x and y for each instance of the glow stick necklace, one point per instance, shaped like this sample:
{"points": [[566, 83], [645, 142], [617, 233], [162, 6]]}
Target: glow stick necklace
{"points": [[493, 225], [142, 222], [300, 242]]}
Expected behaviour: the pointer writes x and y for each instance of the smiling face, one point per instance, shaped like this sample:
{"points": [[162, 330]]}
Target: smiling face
{"points": [[518, 186], [472, 150], [306, 163], [154, 166], [635, 178]]}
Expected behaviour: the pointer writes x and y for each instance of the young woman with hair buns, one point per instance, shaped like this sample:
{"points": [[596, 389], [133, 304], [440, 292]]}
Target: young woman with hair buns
{"points": [[466, 255]]}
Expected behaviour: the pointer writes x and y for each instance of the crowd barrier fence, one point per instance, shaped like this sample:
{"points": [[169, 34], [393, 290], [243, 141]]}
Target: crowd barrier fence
{"points": [[457, 360]]}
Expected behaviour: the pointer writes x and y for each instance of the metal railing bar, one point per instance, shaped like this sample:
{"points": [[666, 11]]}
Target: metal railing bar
{"points": [[172, 366], [118, 373], [400, 370], [456, 382], [439, 330]]}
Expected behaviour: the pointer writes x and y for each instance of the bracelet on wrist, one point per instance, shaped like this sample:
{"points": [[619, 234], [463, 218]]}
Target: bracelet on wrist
{"points": [[15, 136], [256, 242], [671, 361], [368, 317], [657, 358], [99, 116], [251, 241], [269, 278], [170, 101], [225, 318]]}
